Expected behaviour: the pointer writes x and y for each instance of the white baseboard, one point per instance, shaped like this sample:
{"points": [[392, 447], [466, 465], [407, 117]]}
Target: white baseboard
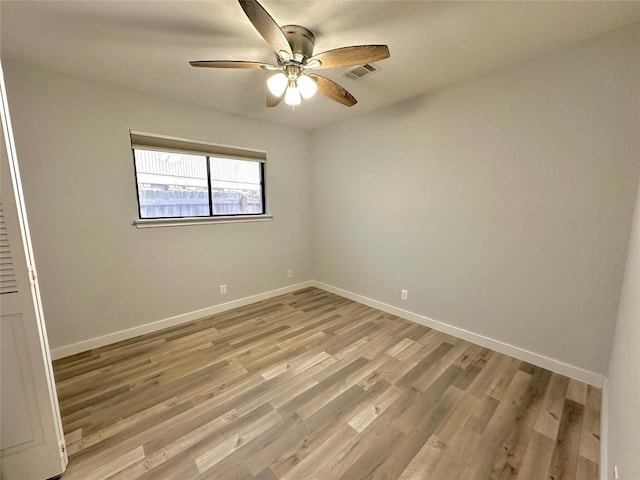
{"points": [[543, 361], [604, 431], [109, 338], [554, 365]]}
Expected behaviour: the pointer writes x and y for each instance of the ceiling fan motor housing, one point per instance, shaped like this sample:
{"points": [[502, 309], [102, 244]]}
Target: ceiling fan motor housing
{"points": [[301, 41]]}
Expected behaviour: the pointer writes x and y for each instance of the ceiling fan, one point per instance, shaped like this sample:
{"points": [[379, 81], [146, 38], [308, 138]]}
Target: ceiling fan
{"points": [[293, 46]]}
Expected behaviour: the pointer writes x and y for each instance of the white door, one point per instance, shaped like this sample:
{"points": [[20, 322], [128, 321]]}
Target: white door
{"points": [[31, 436]]}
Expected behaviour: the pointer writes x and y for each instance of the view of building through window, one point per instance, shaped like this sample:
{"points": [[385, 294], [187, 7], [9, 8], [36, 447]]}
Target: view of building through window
{"points": [[236, 186], [178, 185]]}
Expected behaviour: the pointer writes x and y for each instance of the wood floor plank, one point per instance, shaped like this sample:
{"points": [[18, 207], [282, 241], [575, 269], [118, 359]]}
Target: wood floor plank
{"points": [[311, 465], [231, 443], [300, 440], [322, 425], [372, 452], [565, 456], [106, 469], [587, 470], [310, 385], [548, 420], [425, 460], [400, 456], [537, 458], [457, 460], [172, 446], [366, 416], [577, 392], [590, 436], [514, 446]]}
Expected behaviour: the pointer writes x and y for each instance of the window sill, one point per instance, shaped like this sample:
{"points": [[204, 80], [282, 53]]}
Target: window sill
{"points": [[178, 222]]}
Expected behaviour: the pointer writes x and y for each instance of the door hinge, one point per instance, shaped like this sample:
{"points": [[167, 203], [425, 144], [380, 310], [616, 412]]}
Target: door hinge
{"points": [[33, 275], [63, 449]]}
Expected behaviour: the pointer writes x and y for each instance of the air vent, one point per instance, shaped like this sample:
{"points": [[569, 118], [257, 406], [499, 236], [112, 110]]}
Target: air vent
{"points": [[362, 71]]}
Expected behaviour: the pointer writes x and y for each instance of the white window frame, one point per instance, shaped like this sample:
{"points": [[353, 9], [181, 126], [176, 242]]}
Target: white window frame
{"points": [[155, 142]]}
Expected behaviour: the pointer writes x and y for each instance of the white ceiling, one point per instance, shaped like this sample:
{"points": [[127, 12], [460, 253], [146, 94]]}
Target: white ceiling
{"points": [[146, 45]]}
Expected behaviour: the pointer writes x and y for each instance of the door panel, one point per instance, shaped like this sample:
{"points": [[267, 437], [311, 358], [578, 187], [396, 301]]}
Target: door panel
{"points": [[31, 438], [20, 428]]}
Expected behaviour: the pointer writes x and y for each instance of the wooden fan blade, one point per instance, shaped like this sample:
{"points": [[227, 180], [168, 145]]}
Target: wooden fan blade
{"points": [[272, 100], [351, 56], [227, 64], [331, 89], [266, 26]]}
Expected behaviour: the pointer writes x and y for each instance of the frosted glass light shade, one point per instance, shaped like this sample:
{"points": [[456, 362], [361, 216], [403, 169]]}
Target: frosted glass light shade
{"points": [[307, 86], [277, 84], [292, 96]]}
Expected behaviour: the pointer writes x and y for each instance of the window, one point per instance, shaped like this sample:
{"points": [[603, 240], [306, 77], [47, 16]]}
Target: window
{"points": [[186, 179]]}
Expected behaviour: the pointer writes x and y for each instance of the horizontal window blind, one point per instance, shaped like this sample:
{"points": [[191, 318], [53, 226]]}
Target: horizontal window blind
{"points": [[7, 273], [149, 141]]}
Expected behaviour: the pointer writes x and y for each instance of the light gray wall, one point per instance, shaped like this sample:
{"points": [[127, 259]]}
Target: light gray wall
{"points": [[502, 204], [623, 440], [98, 273]]}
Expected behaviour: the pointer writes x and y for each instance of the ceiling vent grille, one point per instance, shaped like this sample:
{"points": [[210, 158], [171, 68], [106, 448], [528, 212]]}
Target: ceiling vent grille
{"points": [[362, 71]]}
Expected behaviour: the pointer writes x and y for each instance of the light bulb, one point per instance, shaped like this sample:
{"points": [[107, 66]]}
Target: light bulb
{"points": [[277, 84], [292, 96], [307, 86]]}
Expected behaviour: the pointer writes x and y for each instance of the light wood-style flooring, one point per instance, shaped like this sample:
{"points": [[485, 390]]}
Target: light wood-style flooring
{"points": [[311, 385]]}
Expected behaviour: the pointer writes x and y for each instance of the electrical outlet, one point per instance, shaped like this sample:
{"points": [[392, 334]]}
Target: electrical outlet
{"points": [[289, 273], [403, 294], [223, 289]]}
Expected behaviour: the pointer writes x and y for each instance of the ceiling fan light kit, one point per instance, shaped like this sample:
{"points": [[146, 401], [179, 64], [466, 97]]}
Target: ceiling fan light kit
{"points": [[308, 87], [277, 84], [293, 46], [292, 95], [294, 84]]}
